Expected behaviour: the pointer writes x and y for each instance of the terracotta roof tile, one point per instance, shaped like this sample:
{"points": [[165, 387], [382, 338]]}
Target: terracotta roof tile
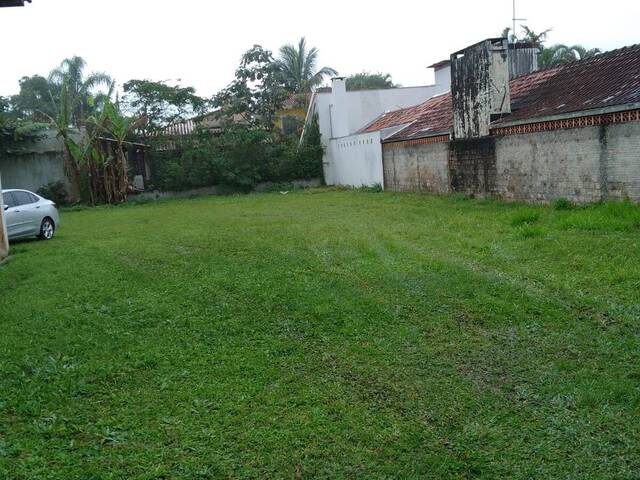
{"points": [[607, 80]]}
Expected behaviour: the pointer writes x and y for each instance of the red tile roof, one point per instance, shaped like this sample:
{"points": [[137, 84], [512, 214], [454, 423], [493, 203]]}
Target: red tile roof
{"points": [[607, 80], [296, 100]]}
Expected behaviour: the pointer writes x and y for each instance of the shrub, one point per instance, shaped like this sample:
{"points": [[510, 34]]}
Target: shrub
{"points": [[525, 216], [563, 204], [240, 157], [375, 188], [56, 192]]}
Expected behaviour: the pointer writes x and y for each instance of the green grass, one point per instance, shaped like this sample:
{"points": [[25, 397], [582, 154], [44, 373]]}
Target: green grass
{"points": [[324, 334]]}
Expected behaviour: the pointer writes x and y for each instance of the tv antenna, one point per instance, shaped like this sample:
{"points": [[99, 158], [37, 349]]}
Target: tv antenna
{"points": [[516, 19]]}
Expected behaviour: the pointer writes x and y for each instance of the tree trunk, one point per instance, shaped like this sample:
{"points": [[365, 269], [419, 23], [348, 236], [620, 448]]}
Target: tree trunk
{"points": [[123, 173], [72, 173]]}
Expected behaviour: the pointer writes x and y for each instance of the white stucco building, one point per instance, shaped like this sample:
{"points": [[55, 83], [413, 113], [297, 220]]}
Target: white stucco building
{"points": [[352, 158]]}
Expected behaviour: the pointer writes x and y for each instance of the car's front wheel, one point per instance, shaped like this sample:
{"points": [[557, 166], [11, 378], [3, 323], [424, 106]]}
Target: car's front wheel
{"points": [[47, 228]]}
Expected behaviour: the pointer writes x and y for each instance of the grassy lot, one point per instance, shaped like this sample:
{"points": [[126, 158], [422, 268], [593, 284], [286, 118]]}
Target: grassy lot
{"points": [[324, 334]]}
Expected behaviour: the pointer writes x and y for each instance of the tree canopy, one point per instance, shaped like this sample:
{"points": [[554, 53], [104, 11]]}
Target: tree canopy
{"points": [[34, 99], [558, 54], [258, 90], [160, 103], [82, 86], [299, 65], [561, 54], [370, 81]]}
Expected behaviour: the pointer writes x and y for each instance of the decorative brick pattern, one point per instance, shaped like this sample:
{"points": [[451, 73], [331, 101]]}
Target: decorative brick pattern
{"points": [[578, 122], [419, 141]]}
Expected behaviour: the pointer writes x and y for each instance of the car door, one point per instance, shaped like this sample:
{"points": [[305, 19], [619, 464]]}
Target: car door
{"points": [[20, 216], [29, 210], [11, 215]]}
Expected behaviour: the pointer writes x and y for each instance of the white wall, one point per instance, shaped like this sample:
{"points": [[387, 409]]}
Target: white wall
{"points": [[358, 109], [355, 160], [364, 106], [443, 79]]}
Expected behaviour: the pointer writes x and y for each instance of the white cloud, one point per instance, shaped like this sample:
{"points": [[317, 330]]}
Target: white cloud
{"points": [[200, 41]]}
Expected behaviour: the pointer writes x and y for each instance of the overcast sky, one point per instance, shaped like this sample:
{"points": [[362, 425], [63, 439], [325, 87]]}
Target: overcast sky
{"points": [[201, 41]]}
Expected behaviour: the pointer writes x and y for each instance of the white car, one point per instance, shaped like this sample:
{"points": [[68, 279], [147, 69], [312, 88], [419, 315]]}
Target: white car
{"points": [[27, 214]]}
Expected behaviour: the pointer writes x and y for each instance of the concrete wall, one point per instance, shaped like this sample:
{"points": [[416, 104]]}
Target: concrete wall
{"points": [[33, 165], [443, 79], [364, 106], [342, 113], [355, 161], [583, 164], [417, 168], [479, 87]]}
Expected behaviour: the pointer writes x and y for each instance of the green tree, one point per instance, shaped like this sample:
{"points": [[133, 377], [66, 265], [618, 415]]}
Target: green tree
{"points": [[5, 105], [369, 81], [161, 104], [300, 67], [558, 54], [34, 101], [528, 36], [562, 54], [81, 87], [257, 92]]}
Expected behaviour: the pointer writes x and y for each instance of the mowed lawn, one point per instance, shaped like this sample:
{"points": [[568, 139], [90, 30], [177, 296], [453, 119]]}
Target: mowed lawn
{"points": [[324, 334]]}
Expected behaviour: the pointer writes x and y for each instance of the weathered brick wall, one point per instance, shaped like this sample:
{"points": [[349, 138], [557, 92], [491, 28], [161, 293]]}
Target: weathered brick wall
{"points": [[472, 166], [583, 164], [623, 160], [547, 165], [417, 168]]}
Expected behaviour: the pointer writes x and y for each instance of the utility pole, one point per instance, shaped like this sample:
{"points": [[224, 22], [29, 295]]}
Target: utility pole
{"points": [[4, 239], [516, 19]]}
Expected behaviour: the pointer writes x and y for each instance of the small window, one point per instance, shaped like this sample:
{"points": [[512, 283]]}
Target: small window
{"points": [[22, 198], [7, 200]]}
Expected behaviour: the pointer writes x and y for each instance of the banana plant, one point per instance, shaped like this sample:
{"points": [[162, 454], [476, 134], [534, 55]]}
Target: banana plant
{"points": [[119, 128], [73, 152]]}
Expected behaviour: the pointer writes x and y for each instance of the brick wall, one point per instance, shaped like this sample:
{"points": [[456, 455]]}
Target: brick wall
{"points": [[582, 164], [623, 160], [472, 166], [417, 168], [548, 165]]}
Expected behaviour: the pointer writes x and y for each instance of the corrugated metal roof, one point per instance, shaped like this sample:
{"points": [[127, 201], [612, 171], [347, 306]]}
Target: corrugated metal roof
{"points": [[607, 80]]}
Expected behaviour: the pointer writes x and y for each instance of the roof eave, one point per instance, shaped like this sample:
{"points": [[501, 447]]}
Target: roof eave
{"points": [[567, 115]]}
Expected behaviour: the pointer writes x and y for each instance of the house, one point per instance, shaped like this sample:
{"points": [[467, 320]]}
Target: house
{"points": [[291, 116], [509, 130], [351, 158]]}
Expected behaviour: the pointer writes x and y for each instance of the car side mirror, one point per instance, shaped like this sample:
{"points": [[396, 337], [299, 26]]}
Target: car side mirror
{"points": [[6, 207]]}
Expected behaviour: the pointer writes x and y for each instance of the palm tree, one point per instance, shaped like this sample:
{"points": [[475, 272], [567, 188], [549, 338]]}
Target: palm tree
{"points": [[561, 54], [581, 53], [71, 73], [529, 36], [535, 38], [299, 67]]}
